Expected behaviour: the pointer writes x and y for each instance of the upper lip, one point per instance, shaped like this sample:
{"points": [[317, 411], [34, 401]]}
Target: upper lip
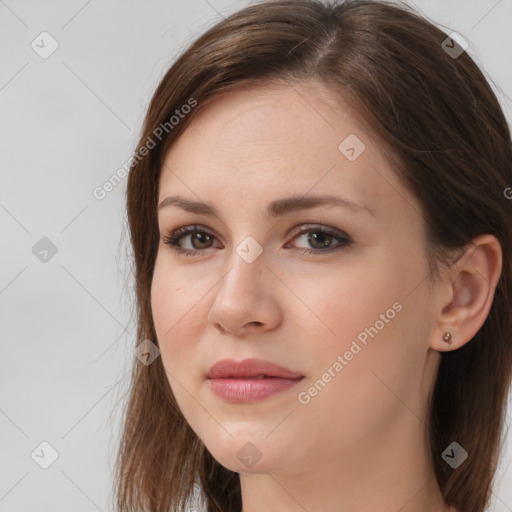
{"points": [[249, 368]]}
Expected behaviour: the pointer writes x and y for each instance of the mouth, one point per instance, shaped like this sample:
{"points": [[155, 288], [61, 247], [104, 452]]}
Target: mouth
{"points": [[250, 368], [254, 377], [250, 380], [250, 389]]}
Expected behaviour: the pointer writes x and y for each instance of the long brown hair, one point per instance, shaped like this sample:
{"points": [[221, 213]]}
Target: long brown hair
{"points": [[439, 123]]}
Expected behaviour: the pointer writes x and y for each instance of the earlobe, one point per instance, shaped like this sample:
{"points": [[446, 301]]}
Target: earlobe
{"points": [[471, 284], [447, 337]]}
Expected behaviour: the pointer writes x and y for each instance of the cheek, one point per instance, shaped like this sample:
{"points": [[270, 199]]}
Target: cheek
{"points": [[380, 359], [175, 301], [340, 303], [365, 313], [178, 316]]}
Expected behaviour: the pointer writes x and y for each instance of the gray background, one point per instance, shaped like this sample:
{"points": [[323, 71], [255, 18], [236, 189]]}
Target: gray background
{"points": [[68, 122]]}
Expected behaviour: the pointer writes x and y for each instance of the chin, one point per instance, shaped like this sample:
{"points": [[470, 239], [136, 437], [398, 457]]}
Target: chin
{"points": [[248, 455]]}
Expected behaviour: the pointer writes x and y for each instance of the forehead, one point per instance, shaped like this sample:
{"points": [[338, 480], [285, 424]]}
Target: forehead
{"points": [[264, 141]]}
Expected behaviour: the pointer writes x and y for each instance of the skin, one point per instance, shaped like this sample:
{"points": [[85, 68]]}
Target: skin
{"points": [[358, 444]]}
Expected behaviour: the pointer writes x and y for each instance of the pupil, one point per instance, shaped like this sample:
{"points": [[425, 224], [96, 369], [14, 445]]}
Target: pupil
{"points": [[200, 235], [320, 235]]}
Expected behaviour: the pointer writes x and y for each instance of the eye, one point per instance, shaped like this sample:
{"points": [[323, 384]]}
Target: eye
{"points": [[318, 236], [321, 238], [201, 235]]}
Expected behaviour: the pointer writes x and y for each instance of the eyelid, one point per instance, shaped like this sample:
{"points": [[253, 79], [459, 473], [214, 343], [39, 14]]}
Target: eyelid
{"points": [[305, 226]]}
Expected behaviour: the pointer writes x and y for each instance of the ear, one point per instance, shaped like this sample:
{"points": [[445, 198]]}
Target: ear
{"points": [[467, 293]]}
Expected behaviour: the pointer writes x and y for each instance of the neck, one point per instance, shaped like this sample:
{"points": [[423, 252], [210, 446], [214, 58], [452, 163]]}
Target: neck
{"points": [[391, 472]]}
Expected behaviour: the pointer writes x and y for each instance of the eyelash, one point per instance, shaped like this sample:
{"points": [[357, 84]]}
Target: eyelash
{"points": [[172, 239]]}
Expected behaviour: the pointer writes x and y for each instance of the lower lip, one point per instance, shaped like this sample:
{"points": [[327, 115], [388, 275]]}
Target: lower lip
{"points": [[250, 390]]}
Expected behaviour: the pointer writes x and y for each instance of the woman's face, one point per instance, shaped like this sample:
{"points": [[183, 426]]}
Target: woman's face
{"points": [[351, 318]]}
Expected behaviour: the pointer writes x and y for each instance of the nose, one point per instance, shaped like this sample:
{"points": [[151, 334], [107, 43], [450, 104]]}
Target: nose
{"points": [[246, 299]]}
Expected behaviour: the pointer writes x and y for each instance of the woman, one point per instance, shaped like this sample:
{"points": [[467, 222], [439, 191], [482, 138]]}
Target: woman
{"points": [[319, 208]]}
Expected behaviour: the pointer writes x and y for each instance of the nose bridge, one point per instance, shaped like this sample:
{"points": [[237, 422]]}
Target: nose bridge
{"points": [[247, 265], [243, 295]]}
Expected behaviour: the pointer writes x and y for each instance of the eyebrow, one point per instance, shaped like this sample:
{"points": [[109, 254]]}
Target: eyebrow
{"points": [[277, 208]]}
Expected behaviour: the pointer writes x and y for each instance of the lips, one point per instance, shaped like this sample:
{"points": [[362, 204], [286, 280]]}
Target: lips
{"points": [[250, 368], [250, 380]]}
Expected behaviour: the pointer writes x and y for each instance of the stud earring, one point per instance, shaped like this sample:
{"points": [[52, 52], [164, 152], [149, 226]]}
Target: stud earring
{"points": [[447, 337]]}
